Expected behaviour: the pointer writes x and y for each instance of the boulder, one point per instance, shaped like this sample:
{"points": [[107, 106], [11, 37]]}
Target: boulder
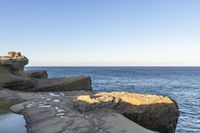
{"points": [[15, 59], [154, 112], [38, 74]]}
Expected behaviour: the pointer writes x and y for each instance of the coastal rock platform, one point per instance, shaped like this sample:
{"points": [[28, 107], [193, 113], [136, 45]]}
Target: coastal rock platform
{"points": [[89, 112], [20, 81], [68, 105]]}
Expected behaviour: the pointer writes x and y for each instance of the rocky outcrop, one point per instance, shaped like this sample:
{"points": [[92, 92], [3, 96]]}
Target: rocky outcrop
{"points": [[12, 77], [63, 84], [14, 80], [153, 112], [19, 81], [67, 105], [54, 112], [88, 112], [14, 59], [38, 74]]}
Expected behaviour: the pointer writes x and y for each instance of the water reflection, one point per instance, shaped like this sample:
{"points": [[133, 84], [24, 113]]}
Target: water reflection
{"points": [[10, 122]]}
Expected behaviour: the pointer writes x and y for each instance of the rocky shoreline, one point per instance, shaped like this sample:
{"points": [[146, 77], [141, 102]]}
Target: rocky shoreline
{"points": [[68, 105]]}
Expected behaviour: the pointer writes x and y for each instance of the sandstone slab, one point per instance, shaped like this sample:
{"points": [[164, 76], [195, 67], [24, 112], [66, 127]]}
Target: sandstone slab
{"points": [[151, 111], [64, 84], [89, 112], [56, 112], [20, 81]]}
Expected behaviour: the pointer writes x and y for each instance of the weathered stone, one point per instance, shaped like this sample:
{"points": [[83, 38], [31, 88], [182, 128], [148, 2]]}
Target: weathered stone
{"points": [[151, 111], [15, 59], [95, 112], [18, 108], [38, 74], [14, 54], [44, 115], [14, 80], [63, 84], [20, 81], [78, 111]]}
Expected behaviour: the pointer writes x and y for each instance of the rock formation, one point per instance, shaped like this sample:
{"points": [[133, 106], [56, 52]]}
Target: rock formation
{"points": [[38, 74], [12, 77], [67, 105], [15, 59], [151, 111], [14, 80], [57, 112]]}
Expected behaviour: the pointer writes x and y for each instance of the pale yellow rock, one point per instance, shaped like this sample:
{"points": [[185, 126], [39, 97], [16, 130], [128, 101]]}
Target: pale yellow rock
{"points": [[151, 111]]}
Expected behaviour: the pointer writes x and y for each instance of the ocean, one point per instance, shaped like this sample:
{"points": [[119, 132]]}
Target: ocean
{"points": [[180, 83]]}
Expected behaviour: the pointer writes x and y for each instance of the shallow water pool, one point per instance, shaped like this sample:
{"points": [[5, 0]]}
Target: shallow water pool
{"points": [[10, 122]]}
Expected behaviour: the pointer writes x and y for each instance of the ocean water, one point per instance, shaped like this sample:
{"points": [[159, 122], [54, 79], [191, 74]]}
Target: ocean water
{"points": [[180, 83]]}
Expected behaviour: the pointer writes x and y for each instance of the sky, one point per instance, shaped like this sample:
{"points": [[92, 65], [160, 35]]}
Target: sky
{"points": [[102, 32]]}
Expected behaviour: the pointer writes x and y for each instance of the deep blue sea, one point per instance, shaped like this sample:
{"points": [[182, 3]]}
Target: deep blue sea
{"points": [[180, 83]]}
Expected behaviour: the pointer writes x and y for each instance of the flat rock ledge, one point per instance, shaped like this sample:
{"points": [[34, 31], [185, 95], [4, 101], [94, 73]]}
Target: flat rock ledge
{"points": [[20, 81], [68, 105], [89, 112]]}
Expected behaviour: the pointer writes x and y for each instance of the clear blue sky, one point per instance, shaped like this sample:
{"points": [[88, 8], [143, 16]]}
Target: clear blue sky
{"points": [[102, 32]]}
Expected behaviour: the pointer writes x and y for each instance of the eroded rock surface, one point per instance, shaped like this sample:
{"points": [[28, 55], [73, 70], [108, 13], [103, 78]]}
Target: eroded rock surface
{"points": [[38, 74], [15, 59], [151, 111], [20, 81], [89, 112], [14, 80], [56, 112], [67, 105], [64, 84]]}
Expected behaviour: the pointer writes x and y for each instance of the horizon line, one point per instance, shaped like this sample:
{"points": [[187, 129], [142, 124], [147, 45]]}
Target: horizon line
{"points": [[109, 66]]}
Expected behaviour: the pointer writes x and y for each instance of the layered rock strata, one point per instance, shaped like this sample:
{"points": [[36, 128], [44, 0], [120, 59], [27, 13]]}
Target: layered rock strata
{"points": [[67, 105], [20, 81], [15, 59], [89, 112]]}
